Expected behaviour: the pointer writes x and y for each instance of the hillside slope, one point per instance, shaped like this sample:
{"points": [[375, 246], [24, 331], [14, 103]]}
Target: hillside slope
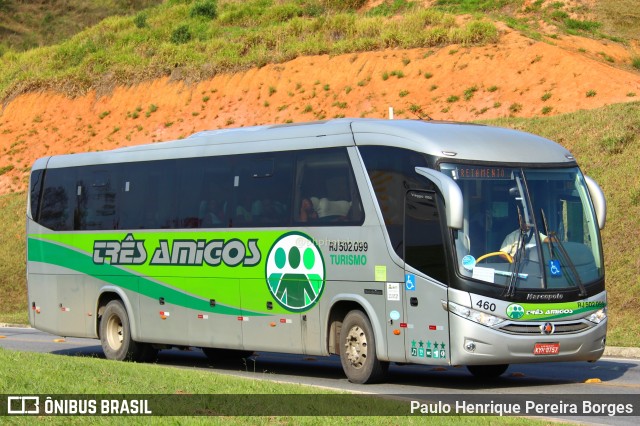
{"points": [[514, 77]]}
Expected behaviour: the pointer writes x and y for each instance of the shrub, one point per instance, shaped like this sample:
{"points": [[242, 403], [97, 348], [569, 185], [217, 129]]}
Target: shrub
{"points": [[140, 20], [515, 107], [205, 9], [6, 169], [343, 5], [181, 35], [574, 24], [468, 93]]}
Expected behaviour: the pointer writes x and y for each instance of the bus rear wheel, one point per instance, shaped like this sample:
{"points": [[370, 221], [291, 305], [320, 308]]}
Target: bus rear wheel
{"points": [[115, 336], [487, 371], [358, 350]]}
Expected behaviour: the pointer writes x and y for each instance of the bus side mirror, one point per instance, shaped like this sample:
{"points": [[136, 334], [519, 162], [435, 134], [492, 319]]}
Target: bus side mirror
{"points": [[451, 193], [599, 202]]}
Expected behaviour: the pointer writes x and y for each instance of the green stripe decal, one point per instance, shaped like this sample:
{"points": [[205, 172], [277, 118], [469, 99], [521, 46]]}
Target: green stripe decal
{"points": [[51, 253]]}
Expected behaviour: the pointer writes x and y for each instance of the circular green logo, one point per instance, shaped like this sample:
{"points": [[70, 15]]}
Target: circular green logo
{"points": [[295, 272], [515, 311]]}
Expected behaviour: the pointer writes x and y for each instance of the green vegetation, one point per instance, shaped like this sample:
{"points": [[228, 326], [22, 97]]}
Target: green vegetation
{"points": [[515, 108], [469, 92], [617, 20], [6, 169], [204, 38], [13, 303], [30, 374], [391, 7], [29, 24], [620, 18]]}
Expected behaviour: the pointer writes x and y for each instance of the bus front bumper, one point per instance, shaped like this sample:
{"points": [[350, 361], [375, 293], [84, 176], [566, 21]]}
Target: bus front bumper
{"points": [[475, 344]]}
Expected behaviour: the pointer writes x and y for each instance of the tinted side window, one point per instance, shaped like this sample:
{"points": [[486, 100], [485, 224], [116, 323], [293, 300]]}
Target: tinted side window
{"points": [[148, 195], [263, 186], [97, 197], [392, 173], [213, 191], [423, 242], [326, 191], [58, 208], [35, 191]]}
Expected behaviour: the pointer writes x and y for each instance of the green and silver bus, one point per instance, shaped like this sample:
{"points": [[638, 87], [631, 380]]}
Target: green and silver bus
{"points": [[379, 241]]}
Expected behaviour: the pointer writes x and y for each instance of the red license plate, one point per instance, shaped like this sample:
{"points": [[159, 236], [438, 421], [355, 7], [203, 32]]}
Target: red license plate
{"points": [[546, 348]]}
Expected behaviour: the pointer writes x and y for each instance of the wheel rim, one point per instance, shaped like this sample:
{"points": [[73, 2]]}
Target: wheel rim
{"points": [[114, 332], [356, 347]]}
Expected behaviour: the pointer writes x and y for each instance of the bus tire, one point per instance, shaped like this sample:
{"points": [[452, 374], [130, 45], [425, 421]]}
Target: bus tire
{"points": [[115, 336], [487, 371], [217, 355], [358, 350]]}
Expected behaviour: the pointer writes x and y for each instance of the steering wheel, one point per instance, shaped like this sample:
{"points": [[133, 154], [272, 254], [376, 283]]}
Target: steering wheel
{"points": [[502, 254]]}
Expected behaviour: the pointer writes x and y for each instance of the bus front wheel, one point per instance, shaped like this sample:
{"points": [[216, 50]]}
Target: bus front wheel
{"points": [[487, 371], [358, 350], [115, 336]]}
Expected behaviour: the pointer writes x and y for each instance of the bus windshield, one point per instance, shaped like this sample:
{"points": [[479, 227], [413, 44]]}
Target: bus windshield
{"points": [[527, 228]]}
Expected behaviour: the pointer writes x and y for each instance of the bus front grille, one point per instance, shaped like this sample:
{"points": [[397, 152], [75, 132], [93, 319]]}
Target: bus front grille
{"points": [[535, 328]]}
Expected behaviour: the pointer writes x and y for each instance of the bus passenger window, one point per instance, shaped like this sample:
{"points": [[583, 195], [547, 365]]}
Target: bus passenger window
{"points": [[58, 199], [263, 192], [326, 192], [97, 198]]}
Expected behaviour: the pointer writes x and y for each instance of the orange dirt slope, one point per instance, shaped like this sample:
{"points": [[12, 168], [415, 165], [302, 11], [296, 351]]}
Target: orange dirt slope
{"points": [[517, 76]]}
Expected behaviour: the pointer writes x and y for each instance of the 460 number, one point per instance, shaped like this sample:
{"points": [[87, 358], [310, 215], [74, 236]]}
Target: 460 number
{"points": [[486, 305]]}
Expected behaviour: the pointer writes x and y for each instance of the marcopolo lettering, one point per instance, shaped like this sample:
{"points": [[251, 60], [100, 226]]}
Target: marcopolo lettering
{"points": [[215, 252]]}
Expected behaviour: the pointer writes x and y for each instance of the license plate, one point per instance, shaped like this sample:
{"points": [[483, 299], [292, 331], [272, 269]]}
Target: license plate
{"points": [[546, 348]]}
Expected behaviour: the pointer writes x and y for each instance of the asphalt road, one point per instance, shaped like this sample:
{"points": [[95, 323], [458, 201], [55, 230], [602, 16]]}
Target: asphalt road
{"points": [[567, 382]]}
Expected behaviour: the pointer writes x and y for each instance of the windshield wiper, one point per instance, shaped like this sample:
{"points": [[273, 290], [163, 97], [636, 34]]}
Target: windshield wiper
{"points": [[552, 237], [513, 279]]}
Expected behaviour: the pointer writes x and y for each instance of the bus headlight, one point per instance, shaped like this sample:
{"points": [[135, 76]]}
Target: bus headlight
{"points": [[475, 316], [598, 316]]}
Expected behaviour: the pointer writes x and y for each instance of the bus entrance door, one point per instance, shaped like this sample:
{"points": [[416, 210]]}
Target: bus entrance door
{"points": [[426, 333]]}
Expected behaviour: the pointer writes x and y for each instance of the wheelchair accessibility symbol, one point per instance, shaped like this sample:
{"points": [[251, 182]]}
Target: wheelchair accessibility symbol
{"points": [[410, 282], [554, 268]]}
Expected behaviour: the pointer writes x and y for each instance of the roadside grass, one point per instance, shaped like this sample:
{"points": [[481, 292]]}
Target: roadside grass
{"points": [[13, 296], [176, 42], [606, 143], [31, 373]]}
